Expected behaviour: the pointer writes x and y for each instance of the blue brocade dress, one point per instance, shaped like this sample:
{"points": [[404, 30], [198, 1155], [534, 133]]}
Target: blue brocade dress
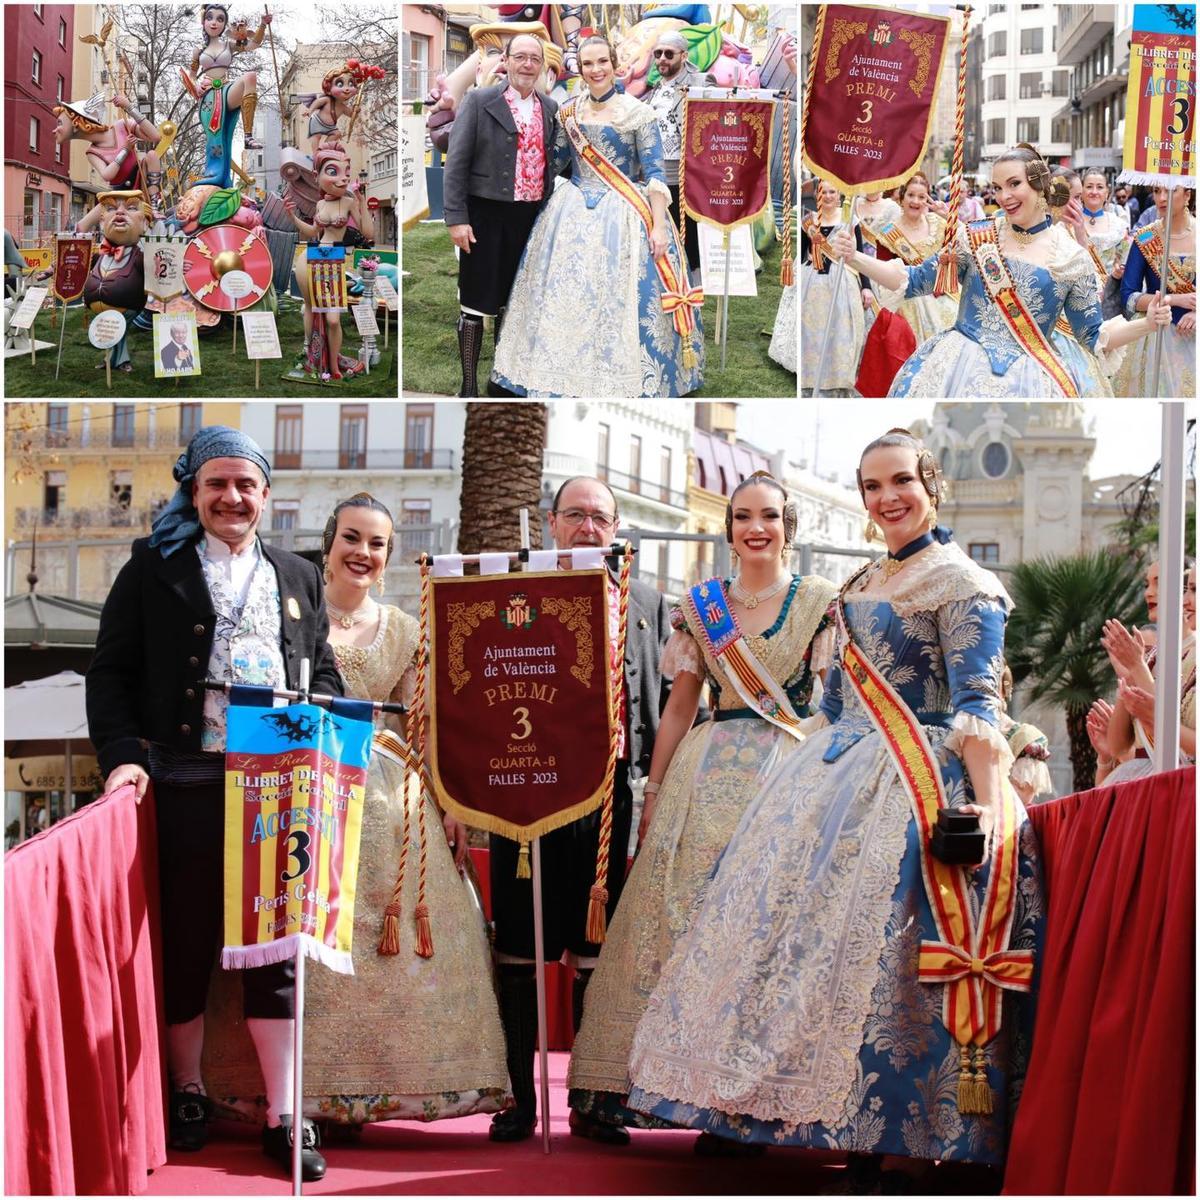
{"points": [[979, 358], [585, 316], [790, 1012]]}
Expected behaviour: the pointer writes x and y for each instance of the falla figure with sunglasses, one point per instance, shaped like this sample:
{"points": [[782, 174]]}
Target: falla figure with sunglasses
{"points": [[583, 513], [675, 75]]}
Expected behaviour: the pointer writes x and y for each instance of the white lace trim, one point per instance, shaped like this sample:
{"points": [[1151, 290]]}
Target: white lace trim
{"points": [[657, 186], [1032, 772], [1110, 360], [968, 725], [627, 115], [822, 649], [681, 654], [939, 575]]}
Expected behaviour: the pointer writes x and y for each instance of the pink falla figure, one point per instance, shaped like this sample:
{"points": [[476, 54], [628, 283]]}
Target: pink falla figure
{"points": [[338, 90], [112, 149], [331, 227]]}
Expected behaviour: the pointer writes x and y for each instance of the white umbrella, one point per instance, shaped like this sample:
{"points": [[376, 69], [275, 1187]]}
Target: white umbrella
{"points": [[46, 709]]}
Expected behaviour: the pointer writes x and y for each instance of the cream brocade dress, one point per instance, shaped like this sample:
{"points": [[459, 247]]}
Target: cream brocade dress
{"points": [[715, 772], [403, 1038]]}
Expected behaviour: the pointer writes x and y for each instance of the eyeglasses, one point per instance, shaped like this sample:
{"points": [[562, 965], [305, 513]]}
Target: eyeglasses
{"points": [[525, 58], [665, 53], [576, 516]]}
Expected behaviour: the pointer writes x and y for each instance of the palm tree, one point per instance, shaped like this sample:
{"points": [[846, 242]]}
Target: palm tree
{"points": [[503, 449], [1053, 637]]}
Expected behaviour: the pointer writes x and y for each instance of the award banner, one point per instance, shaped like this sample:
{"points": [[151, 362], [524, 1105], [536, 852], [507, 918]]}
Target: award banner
{"points": [[414, 197], [162, 259], [518, 702], [727, 172], [72, 262], [1160, 102], [295, 779], [869, 112]]}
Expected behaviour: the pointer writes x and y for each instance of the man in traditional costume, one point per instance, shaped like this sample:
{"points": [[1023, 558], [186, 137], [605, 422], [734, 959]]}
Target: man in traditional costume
{"points": [[203, 599], [498, 175], [584, 513]]}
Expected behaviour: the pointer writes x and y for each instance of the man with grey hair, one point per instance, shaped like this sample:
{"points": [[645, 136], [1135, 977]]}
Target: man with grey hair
{"points": [[676, 75]]}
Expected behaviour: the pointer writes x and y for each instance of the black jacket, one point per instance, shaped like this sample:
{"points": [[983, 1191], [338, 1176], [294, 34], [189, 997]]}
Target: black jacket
{"points": [[646, 691], [145, 683]]}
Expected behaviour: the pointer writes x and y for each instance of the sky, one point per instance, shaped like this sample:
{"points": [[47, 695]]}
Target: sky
{"points": [[1127, 432]]}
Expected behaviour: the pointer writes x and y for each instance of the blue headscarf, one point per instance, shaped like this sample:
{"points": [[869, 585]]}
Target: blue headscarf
{"points": [[179, 523]]}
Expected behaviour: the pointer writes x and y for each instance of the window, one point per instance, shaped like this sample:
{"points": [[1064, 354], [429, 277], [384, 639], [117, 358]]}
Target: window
{"points": [[62, 32], [56, 425], [418, 436], [997, 45], [1028, 129], [352, 438], [285, 514], [995, 131], [1029, 7], [54, 494], [29, 216], [1030, 85], [1060, 130], [416, 75], [664, 564], [996, 89], [602, 432], [416, 512], [635, 463], [120, 489], [664, 475], [1062, 83], [37, 68], [289, 419], [34, 132], [995, 460], [59, 88], [190, 421], [987, 553], [122, 426], [55, 204], [1031, 41]]}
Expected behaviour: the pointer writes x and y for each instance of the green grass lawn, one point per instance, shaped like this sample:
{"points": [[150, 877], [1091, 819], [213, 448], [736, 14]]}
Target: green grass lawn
{"points": [[223, 373], [431, 343]]}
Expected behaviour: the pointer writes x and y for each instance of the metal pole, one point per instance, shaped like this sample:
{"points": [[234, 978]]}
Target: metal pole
{"points": [[68, 788], [1160, 333], [837, 287], [540, 968], [1170, 589], [62, 329], [725, 322], [298, 1042]]}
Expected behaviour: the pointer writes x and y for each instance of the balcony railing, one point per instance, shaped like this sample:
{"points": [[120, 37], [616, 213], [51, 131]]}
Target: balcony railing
{"points": [[114, 516], [103, 436], [372, 459]]}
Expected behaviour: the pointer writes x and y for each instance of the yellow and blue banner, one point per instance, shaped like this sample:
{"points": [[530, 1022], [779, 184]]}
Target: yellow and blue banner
{"points": [[1160, 102], [295, 781]]}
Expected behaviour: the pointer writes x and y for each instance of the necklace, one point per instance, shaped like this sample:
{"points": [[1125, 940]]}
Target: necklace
{"points": [[597, 101], [348, 618], [1092, 216], [1025, 236], [892, 563], [754, 599]]}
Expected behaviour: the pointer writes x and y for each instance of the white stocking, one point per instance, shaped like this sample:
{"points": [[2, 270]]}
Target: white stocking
{"points": [[184, 1045], [274, 1040]]}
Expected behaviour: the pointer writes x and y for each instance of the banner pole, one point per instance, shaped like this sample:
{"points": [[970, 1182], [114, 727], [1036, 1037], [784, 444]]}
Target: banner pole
{"points": [[298, 1041], [62, 329], [540, 957], [725, 323], [1164, 267]]}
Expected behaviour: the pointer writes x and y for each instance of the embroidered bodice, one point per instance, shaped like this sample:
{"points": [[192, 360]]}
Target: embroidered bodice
{"points": [[939, 639], [1066, 286], [632, 143], [1141, 278]]}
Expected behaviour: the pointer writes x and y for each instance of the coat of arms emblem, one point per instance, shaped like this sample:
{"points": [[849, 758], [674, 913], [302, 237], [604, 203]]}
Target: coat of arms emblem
{"points": [[518, 614]]}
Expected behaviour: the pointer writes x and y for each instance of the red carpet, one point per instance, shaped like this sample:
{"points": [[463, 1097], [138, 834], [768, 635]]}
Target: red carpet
{"points": [[455, 1158]]}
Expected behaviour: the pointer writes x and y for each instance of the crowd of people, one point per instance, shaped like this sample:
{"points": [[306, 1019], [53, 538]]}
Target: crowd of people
{"points": [[760, 981], [1082, 259]]}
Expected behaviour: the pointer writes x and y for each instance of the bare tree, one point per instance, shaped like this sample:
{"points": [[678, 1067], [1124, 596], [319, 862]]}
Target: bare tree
{"points": [[372, 37]]}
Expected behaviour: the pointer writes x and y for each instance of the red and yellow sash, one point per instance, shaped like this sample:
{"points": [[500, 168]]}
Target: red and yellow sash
{"points": [[971, 960], [998, 283], [890, 235], [1150, 242], [679, 298]]}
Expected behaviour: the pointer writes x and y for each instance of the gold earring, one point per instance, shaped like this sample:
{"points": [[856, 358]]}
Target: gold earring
{"points": [[932, 518], [326, 574], [380, 584], [871, 533]]}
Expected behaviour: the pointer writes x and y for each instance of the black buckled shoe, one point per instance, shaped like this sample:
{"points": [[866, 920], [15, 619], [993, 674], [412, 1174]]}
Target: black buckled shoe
{"points": [[277, 1144], [599, 1131], [513, 1125], [189, 1115]]}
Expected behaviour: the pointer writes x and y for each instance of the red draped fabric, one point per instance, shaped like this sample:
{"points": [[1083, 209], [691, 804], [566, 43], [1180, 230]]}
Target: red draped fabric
{"points": [[1109, 1099], [889, 345], [83, 1077]]}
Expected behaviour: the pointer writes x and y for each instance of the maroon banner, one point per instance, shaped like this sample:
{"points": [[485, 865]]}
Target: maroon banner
{"points": [[869, 110], [73, 260], [726, 173], [519, 698]]}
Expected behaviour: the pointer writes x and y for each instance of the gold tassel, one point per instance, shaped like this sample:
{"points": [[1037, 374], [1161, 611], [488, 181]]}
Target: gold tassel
{"points": [[946, 281], [983, 1093], [786, 278], [424, 932], [966, 1095], [523, 871], [597, 917], [389, 943], [689, 357]]}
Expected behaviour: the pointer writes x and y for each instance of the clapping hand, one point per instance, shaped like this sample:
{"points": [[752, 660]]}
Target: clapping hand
{"points": [[1124, 649], [1138, 701], [1098, 718]]}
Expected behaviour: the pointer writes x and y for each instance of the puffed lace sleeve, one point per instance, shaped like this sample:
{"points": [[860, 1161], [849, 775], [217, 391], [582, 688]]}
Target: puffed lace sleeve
{"points": [[919, 280], [650, 155], [681, 652], [821, 658], [971, 633]]}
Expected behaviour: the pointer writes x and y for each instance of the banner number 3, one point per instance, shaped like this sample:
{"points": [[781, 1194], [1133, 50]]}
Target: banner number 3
{"points": [[1182, 115], [524, 728], [300, 841], [867, 110]]}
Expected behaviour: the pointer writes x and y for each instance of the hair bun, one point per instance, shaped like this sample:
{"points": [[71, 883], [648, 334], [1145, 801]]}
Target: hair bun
{"points": [[1060, 192], [1032, 150]]}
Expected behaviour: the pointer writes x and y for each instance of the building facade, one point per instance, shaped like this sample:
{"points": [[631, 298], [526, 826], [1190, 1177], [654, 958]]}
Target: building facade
{"points": [[1023, 86], [39, 42], [89, 478]]}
